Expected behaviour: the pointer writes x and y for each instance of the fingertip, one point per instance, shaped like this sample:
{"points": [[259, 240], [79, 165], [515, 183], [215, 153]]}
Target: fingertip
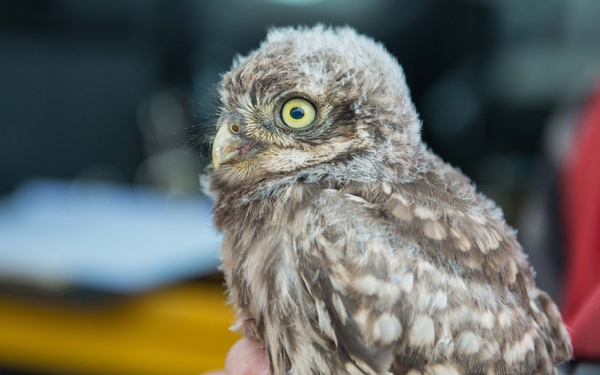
{"points": [[246, 357]]}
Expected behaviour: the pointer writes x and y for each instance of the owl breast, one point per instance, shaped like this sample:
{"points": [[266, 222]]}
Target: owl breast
{"points": [[266, 286]]}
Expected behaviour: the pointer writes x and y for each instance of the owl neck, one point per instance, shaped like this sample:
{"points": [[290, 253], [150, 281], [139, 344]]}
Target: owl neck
{"points": [[366, 168]]}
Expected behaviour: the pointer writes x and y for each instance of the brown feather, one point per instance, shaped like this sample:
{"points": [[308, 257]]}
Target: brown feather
{"points": [[349, 246]]}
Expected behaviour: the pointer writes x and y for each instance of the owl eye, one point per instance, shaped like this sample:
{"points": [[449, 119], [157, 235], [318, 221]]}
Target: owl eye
{"points": [[298, 113]]}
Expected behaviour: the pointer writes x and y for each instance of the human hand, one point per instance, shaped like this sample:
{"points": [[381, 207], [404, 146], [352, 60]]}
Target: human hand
{"points": [[245, 357]]}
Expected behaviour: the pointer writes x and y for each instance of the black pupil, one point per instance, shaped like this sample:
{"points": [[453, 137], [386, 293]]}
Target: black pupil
{"points": [[297, 113]]}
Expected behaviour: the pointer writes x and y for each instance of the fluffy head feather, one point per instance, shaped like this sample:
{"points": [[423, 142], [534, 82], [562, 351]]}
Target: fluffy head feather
{"points": [[363, 105]]}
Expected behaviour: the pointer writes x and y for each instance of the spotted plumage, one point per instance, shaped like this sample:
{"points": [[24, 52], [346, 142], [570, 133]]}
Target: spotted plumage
{"points": [[349, 247]]}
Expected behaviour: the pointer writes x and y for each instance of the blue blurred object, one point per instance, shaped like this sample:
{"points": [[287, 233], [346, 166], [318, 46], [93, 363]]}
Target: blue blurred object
{"points": [[110, 238]]}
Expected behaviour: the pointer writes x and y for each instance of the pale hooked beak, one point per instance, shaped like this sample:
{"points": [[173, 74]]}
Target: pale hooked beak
{"points": [[230, 143], [226, 144]]}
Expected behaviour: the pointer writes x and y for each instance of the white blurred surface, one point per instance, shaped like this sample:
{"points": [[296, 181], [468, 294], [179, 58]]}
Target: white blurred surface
{"points": [[104, 237]]}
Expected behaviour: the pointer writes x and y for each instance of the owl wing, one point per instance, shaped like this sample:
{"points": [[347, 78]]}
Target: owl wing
{"points": [[341, 264], [399, 277]]}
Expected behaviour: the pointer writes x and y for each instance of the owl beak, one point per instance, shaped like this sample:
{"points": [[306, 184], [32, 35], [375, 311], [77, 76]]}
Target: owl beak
{"points": [[225, 146], [231, 142]]}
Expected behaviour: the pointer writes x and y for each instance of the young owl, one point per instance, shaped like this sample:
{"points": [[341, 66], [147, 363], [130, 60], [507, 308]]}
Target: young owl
{"points": [[349, 247]]}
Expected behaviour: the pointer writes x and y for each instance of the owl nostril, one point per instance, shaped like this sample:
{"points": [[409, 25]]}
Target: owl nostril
{"points": [[235, 128]]}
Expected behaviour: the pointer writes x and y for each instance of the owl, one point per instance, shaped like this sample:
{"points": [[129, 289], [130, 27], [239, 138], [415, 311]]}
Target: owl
{"points": [[350, 247]]}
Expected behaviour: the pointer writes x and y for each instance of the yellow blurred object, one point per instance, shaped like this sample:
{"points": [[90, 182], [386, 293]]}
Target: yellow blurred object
{"points": [[182, 329]]}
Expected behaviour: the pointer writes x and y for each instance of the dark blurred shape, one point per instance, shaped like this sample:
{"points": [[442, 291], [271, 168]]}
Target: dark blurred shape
{"points": [[72, 75], [587, 369], [165, 118]]}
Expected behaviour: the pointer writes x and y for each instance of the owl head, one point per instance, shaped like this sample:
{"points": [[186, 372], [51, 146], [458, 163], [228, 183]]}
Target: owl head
{"points": [[313, 103]]}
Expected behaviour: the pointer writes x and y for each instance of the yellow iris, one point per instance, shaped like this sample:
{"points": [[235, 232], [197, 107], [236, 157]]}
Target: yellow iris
{"points": [[298, 113]]}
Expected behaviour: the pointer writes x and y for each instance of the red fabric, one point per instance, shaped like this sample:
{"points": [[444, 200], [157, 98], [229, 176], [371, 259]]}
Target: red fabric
{"points": [[581, 198]]}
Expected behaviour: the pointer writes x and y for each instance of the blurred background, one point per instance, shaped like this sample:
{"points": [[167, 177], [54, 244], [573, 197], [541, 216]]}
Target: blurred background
{"points": [[108, 263]]}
